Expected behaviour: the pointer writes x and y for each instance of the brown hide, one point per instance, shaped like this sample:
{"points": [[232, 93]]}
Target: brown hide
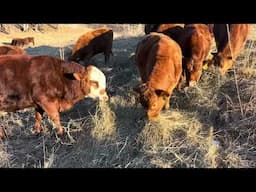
{"points": [[225, 56], [195, 42], [45, 83], [21, 42], [11, 50], [159, 61], [91, 43]]}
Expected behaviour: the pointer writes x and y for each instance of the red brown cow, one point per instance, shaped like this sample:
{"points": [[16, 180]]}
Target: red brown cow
{"points": [[225, 55], [171, 29], [11, 50], [159, 61], [91, 43], [47, 84], [23, 41], [195, 43]]}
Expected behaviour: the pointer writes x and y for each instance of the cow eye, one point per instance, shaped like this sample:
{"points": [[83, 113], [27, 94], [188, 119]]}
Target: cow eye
{"points": [[154, 105]]}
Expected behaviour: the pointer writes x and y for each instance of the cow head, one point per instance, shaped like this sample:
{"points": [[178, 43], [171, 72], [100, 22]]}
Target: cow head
{"points": [[74, 57], [193, 71], [153, 100], [84, 54], [31, 40], [223, 62], [93, 83], [97, 81]]}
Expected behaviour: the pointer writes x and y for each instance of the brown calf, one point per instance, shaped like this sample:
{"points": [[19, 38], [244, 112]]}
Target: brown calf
{"points": [[91, 43], [21, 42], [195, 42], [159, 61], [11, 50], [227, 51], [47, 84]]}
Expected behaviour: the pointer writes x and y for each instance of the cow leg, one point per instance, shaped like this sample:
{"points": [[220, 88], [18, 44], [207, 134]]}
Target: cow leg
{"points": [[55, 117], [39, 116], [51, 109], [180, 83], [1, 133], [167, 103]]}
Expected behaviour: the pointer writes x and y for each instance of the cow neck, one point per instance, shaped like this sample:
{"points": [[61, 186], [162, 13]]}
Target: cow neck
{"points": [[85, 83]]}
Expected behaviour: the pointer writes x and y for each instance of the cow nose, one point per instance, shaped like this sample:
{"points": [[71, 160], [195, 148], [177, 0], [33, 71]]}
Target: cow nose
{"points": [[192, 83], [104, 98], [222, 71], [152, 116]]}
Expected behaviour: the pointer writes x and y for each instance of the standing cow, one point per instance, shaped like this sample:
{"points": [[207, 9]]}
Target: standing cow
{"points": [[11, 50], [23, 41], [172, 30], [91, 43], [227, 51], [195, 42], [159, 61], [47, 84]]}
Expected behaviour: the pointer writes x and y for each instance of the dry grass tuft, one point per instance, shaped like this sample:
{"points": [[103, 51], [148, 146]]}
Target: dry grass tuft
{"points": [[178, 140], [103, 122]]}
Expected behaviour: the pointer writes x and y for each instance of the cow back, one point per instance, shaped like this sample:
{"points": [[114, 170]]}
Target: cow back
{"points": [[159, 60], [238, 35], [11, 50], [94, 41]]}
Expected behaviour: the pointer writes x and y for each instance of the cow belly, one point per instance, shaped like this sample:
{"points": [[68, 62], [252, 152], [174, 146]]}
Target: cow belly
{"points": [[64, 106], [14, 102]]}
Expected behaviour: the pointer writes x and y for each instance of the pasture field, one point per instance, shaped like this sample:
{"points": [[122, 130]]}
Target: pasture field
{"points": [[210, 126]]}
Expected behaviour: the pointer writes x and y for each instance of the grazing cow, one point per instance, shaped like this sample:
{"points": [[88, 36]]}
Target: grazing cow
{"points": [[225, 55], [23, 41], [195, 42], [159, 61], [47, 84], [162, 28], [11, 50], [148, 28], [91, 43]]}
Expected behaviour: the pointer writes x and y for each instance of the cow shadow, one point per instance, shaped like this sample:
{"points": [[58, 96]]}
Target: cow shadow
{"points": [[48, 50], [6, 43]]}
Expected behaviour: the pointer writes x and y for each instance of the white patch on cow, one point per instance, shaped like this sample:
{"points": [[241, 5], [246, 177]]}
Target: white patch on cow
{"points": [[98, 76]]}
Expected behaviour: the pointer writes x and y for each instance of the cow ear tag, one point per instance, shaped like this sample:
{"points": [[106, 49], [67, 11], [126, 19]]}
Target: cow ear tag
{"points": [[205, 67]]}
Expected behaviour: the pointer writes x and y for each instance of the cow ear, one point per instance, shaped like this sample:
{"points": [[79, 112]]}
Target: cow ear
{"points": [[162, 93], [230, 57], [140, 88], [94, 84], [137, 88], [78, 76]]}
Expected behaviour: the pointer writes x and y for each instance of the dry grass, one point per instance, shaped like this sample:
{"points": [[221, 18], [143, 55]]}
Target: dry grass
{"points": [[212, 125], [103, 122]]}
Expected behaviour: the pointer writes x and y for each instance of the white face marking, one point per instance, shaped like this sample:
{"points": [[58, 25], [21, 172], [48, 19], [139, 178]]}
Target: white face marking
{"points": [[98, 76]]}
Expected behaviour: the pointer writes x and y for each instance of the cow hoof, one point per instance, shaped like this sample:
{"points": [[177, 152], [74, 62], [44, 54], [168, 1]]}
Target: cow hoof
{"points": [[167, 107], [37, 131], [192, 83], [1, 133], [60, 132]]}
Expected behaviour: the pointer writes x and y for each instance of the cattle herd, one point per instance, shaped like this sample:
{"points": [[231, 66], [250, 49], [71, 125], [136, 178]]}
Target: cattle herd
{"points": [[167, 54]]}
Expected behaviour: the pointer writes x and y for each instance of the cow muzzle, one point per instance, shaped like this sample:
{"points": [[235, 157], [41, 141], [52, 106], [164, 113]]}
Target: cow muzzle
{"points": [[192, 83], [104, 98], [152, 116]]}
